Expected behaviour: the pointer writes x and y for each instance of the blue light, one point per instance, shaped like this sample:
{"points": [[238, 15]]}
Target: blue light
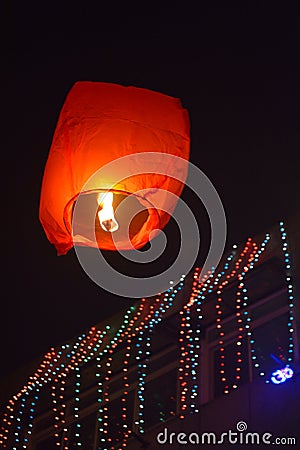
{"points": [[282, 375]]}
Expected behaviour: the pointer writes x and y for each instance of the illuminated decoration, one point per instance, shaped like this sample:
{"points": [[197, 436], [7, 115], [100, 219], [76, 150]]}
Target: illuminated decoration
{"points": [[19, 418], [55, 366], [246, 263], [130, 335], [243, 320], [194, 348], [128, 329], [98, 124], [158, 313], [242, 302], [103, 395], [247, 315], [135, 336], [142, 357], [288, 279], [282, 375], [289, 284], [40, 377], [57, 421], [30, 418], [189, 347], [189, 340], [238, 307], [198, 296], [77, 436], [126, 429], [219, 325], [105, 400]]}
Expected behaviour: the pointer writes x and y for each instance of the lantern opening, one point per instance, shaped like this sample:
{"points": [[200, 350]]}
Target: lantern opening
{"points": [[106, 214], [131, 220]]}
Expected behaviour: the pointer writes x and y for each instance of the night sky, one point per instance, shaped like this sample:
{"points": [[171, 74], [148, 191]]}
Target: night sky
{"points": [[236, 70]]}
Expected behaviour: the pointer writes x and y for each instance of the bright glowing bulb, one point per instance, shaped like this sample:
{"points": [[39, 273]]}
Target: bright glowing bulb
{"points": [[106, 214]]}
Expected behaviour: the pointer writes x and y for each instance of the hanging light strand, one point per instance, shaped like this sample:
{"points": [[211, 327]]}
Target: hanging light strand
{"points": [[92, 347], [219, 319], [102, 394], [50, 368], [191, 349], [289, 284], [25, 392], [131, 334], [186, 345], [30, 418], [219, 308], [77, 431], [190, 352], [238, 307], [194, 343], [247, 319], [143, 356], [10, 416]]}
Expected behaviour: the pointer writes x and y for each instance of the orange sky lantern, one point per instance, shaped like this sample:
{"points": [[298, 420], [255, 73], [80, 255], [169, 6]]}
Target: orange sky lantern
{"points": [[98, 124]]}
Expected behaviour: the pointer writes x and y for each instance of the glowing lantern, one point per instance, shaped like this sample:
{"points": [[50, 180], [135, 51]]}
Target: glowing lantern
{"points": [[100, 123]]}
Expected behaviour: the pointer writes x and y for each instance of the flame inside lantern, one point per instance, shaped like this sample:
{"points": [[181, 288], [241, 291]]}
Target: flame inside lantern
{"points": [[106, 214]]}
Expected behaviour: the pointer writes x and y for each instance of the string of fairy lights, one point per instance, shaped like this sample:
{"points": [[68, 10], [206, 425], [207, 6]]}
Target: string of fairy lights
{"points": [[77, 386], [189, 339], [288, 279], [247, 312], [135, 334], [191, 348], [158, 315]]}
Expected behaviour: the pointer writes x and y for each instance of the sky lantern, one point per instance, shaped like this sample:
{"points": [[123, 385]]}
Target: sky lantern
{"points": [[99, 125]]}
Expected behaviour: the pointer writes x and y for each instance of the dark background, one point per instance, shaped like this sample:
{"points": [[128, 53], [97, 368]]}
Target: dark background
{"points": [[236, 70]]}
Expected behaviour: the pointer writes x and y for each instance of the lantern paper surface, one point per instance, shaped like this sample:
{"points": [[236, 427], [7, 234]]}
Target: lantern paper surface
{"points": [[100, 123]]}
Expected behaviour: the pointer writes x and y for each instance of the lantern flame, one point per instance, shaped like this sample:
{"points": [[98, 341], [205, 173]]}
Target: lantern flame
{"points": [[106, 214]]}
